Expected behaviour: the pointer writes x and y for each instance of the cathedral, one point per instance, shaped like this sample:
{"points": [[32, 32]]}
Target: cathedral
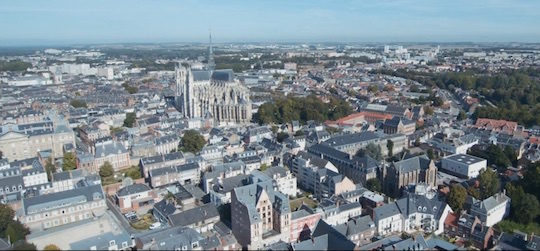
{"points": [[209, 93]]}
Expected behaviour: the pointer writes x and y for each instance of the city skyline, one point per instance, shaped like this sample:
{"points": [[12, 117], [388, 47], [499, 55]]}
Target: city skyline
{"points": [[63, 22]]}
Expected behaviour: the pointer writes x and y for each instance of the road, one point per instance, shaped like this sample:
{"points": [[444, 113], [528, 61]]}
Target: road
{"points": [[120, 217]]}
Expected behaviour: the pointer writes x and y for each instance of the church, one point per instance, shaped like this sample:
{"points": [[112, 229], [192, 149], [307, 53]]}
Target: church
{"points": [[209, 93]]}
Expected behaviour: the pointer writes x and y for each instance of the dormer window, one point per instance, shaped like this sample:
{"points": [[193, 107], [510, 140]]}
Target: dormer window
{"points": [[112, 243]]}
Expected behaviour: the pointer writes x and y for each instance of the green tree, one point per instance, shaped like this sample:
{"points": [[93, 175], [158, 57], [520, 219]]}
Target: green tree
{"points": [[373, 88], [69, 162], [50, 168], [130, 119], [430, 153], [462, 115], [524, 207], [457, 197], [76, 103], [134, 173], [374, 185], [51, 247], [281, 136], [299, 133], [106, 170], [371, 150], [428, 110], [263, 167], [489, 183], [6, 217], [24, 246], [192, 141], [16, 231], [390, 145]]}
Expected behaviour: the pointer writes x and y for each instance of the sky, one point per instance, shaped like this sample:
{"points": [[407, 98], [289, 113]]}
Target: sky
{"points": [[36, 22]]}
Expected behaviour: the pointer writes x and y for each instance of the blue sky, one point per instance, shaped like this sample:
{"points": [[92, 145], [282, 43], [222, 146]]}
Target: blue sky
{"points": [[33, 22]]}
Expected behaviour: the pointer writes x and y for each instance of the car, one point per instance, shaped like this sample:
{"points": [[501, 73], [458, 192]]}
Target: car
{"points": [[155, 225]]}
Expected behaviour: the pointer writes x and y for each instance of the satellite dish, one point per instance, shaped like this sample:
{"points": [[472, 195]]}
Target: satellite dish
{"points": [[127, 182]]}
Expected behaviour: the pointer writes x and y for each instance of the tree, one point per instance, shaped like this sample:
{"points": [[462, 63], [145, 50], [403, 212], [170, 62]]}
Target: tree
{"points": [[69, 162], [263, 167], [457, 197], [51, 247], [50, 168], [417, 142], [76, 103], [23, 245], [373, 88], [192, 141], [16, 231], [462, 115], [374, 185], [371, 150], [299, 133], [489, 183], [524, 206], [390, 145], [6, 217], [130, 119], [134, 173], [430, 153], [281, 136], [428, 110], [106, 170]]}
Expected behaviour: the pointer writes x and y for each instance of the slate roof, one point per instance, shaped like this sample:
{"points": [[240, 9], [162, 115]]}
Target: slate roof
{"points": [[133, 189], [164, 207], [53, 200], [414, 203], [385, 211], [414, 163], [170, 238], [194, 215], [325, 237], [351, 139]]}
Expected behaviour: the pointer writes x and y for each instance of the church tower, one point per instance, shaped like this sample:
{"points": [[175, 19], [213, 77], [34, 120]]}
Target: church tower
{"points": [[183, 73], [211, 64]]}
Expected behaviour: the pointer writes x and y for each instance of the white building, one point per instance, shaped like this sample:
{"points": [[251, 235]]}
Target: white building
{"points": [[492, 210], [285, 180], [464, 165], [388, 219]]}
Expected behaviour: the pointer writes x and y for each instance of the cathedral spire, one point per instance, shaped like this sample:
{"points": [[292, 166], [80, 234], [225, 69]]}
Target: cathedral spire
{"points": [[211, 64]]}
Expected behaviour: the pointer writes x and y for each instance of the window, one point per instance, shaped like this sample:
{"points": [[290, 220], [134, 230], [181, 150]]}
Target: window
{"points": [[112, 243], [124, 244]]}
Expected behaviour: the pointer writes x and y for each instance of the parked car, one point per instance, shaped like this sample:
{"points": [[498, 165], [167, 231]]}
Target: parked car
{"points": [[155, 225]]}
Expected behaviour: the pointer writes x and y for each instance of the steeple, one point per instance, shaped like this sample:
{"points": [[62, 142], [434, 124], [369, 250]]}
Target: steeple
{"points": [[211, 64]]}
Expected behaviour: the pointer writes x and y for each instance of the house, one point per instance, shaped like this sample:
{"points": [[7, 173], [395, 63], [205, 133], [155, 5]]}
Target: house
{"points": [[463, 165], [173, 238], [472, 229], [257, 134], [388, 219], [414, 170], [105, 241], [201, 218], [399, 125], [260, 215], [284, 179], [319, 176], [335, 211], [504, 126], [184, 174], [358, 169], [492, 210], [303, 222], [166, 144], [359, 230], [165, 208], [324, 237], [35, 175], [113, 152], [62, 208], [423, 212], [135, 197], [158, 161]]}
